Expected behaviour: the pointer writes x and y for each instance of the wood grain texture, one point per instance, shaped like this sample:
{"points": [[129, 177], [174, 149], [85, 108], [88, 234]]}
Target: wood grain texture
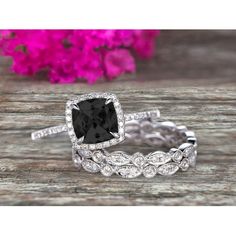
{"points": [[192, 80]]}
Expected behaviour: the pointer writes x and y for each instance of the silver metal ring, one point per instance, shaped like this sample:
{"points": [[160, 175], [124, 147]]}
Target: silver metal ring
{"points": [[96, 122]]}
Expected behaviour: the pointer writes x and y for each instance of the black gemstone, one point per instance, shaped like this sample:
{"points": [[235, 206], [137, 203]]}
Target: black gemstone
{"points": [[95, 120]]}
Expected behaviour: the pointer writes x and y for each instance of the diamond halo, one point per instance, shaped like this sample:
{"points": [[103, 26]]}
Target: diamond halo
{"points": [[78, 143]]}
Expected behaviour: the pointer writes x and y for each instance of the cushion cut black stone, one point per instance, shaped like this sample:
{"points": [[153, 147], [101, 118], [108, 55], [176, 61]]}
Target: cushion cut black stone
{"points": [[95, 120]]}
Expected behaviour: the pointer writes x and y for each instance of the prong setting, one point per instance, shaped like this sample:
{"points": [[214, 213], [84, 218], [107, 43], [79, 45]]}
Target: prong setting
{"points": [[80, 140], [108, 101], [75, 106], [116, 135]]}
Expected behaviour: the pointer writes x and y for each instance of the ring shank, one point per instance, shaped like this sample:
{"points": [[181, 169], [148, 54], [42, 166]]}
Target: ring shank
{"points": [[153, 114]]}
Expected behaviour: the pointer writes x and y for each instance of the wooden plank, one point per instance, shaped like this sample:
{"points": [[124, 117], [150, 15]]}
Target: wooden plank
{"points": [[42, 173]]}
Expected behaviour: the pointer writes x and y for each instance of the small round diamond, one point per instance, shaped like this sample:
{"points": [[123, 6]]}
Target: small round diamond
{"points": [[70, 131], [149, 171], [68, 118], [83, 146], [99, 146], [138, 159], [116, 103], [92, 146], [113, 141], [73, 139], [176, 154], [107, 170], [106, 144], [98, 156], [121, 124], [184, 165], [68, 112]]}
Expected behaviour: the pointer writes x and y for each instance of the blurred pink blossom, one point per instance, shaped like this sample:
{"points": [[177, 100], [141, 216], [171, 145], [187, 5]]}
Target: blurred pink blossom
{"points": [[117, 62], [71, 54]]}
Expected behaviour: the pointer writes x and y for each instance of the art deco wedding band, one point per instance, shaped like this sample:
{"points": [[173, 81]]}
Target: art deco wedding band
{"points": [[96, 122]]}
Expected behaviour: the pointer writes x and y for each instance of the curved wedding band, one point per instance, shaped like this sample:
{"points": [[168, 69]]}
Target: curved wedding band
{"points": [[96, 121]]}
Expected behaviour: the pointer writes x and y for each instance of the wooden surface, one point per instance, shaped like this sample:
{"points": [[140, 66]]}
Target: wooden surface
{"points": [[192, 79]]}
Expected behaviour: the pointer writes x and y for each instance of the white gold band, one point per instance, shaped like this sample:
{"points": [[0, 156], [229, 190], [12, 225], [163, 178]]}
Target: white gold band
{"points": [[181, 156], [63, 128]]}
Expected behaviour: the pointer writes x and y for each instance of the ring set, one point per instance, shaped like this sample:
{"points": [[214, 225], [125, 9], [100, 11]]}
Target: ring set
{"points": [[96, 122]]}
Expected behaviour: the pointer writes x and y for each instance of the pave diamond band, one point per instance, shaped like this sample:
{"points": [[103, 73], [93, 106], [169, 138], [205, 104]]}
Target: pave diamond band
{"points": [[95, 122], [63, 128]]}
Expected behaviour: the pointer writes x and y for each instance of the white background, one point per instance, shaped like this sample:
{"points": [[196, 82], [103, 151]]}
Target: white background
{"points": [[117, 221], [165, 14]]}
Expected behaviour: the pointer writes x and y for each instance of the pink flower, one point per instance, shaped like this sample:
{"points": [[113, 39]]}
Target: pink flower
{"points": [[68, 55], [144, 43], [118, 62]]}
